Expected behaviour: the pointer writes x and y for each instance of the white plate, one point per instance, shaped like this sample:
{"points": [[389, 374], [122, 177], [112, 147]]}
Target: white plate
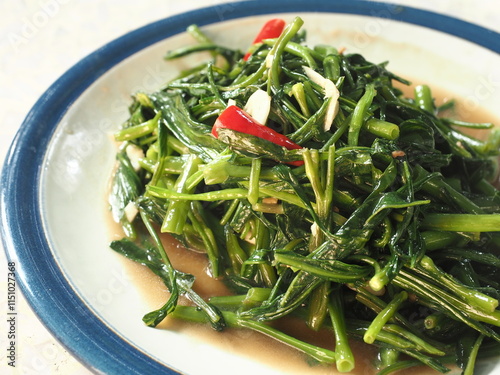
{"points": [[54, 183]]}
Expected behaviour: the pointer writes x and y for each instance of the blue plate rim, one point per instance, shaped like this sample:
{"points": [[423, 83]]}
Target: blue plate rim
{"points": [[62, 311]]}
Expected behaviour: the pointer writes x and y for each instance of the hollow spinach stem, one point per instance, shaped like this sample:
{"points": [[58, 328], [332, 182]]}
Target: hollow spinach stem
{"points": [[319, 354], [383, 317], [344, 356]]}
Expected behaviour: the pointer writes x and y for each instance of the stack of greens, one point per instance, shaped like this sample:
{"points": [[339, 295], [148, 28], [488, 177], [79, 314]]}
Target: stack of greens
{"points": [[317, 191]]}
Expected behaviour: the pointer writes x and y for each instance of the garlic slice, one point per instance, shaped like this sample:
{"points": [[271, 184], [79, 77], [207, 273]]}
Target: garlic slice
{"points": [[131, 211], [134, 153], [315, 231], [258, 106], [330, 91]]}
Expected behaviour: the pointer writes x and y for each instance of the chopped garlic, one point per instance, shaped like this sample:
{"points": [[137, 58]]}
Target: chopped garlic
{"points": [[270, 200], [131, 211], [250, 238], [315, 231], [134, 153], [330, 91], [398, 154], [258, 106]]}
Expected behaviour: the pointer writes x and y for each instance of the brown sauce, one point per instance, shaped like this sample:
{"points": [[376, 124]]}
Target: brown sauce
{"points": [[246, 343], [460, 110], [250, 344], [240, 342]]}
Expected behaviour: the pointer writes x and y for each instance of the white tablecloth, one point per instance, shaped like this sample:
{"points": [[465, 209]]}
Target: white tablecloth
{"points": [[40, 40]]}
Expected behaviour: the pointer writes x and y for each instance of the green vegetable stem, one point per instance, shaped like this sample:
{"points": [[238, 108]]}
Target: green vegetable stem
{"points": [[317, 192]]}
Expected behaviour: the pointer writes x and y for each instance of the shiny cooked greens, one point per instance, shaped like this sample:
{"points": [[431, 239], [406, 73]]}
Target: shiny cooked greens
{"points": [[369, 214]]}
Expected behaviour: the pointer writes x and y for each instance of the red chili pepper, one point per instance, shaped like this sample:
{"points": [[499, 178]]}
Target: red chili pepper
{"points": [[271, 29], [236, 119]]}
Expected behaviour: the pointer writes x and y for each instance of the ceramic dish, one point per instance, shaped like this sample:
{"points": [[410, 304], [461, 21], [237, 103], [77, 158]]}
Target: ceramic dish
{"points": [[54, 218]]}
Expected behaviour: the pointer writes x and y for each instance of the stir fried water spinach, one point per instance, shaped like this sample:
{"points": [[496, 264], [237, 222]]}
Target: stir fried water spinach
{"points": [[319, 192]]}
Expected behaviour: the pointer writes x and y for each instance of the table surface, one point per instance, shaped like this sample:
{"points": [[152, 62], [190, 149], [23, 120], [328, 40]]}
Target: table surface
{"points": [[42, 39]]}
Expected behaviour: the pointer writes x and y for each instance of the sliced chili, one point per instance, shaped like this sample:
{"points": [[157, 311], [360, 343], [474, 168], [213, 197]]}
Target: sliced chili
{"points": [[237, 119], [271, 29]]}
